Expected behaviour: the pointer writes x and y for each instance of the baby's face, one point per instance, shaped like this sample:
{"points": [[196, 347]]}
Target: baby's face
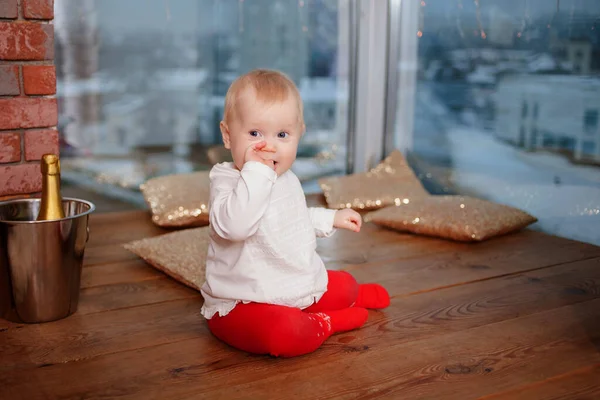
{"points": [[277, 124]]}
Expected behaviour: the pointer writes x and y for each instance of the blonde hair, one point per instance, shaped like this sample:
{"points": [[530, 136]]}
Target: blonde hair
{"points": [[269, 87]]}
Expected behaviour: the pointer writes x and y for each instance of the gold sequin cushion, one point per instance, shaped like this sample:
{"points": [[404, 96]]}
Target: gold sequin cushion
{"points": [[179, 200], [459, 218], [392, 182], [181, 254]]}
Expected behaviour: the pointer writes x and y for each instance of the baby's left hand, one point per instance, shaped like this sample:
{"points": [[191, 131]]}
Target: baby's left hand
{"points": [[347, 219]]}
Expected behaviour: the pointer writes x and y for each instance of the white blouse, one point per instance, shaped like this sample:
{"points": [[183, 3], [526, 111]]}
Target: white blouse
{"points": [[262, 240]]}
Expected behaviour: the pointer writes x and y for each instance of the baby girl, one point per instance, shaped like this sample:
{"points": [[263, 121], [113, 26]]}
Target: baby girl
{"points": [[267, 290]]}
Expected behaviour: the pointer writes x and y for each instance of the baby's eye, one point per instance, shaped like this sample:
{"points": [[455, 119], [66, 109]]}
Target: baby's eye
{"points": [[254, 133], [282, 135]]}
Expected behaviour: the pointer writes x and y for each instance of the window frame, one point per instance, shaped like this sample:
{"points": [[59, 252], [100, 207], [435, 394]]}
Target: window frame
{"points": [[383, 58]]}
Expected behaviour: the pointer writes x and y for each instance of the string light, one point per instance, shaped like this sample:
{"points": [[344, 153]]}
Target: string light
{"points": [[421, 22], [478, 15]]}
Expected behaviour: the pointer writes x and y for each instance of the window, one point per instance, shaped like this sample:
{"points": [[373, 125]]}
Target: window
{"points": [[589, 147], [141, 84], [471, 57], [590, 121], [486, 98]]}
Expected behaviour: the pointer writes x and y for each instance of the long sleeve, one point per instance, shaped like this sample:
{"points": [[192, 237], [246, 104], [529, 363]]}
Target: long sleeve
{"points": [[322, 221], [239, 202], [278, 264]]}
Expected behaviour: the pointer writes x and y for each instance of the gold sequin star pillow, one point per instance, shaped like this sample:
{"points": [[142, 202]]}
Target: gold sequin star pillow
{"points": [[178, 201], [392, 182], [459, 218], [181, 254]]}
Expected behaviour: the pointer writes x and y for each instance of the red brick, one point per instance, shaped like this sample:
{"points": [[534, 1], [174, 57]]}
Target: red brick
{"points": [[24, 112], [9, 80], [10, 147], [20, 179], [21, 40], [39, 79], [38, 9], [8, 8], [39, 142]]}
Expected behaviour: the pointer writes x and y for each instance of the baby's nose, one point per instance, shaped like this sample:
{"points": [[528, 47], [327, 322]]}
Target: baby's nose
{"points": [[269, 148]]}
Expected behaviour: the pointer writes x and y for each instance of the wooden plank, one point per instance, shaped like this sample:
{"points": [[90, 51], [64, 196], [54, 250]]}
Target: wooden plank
{"points": [[6, 325], [121, 286], [408, 322], [121, 272], [396, 248], [84, 336], [133, 294], [482, 261], [376, 245], [458, 365], [103, 255], [120, 227], [582, 384]]}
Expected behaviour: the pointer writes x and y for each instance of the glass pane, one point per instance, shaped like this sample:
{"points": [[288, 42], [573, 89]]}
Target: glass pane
{"points": [[506, 105], [141, 85]]}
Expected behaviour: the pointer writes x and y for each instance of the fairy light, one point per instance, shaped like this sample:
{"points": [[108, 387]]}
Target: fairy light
{"points": [[478, 15], [421, 20]]}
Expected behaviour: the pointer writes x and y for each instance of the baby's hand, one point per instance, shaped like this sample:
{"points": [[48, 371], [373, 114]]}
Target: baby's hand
{"points": [[347, 219], [253, 154]]}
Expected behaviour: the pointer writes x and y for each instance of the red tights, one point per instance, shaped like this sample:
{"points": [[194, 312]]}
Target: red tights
{"points": [[287, 331]]}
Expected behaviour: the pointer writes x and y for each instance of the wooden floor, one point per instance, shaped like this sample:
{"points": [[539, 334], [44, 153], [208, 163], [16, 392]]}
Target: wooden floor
{"points": [[516, 317]]}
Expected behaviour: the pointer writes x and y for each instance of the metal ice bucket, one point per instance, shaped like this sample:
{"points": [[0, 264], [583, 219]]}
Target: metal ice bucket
{"points": [[40, 261]]}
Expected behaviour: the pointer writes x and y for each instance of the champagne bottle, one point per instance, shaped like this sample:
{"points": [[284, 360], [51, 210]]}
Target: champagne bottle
{"points": [[51, 205]]}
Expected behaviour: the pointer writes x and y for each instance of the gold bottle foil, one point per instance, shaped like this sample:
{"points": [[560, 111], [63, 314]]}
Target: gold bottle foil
{"points": [[392, 182], [51, 207], [460, 218], [179, 200], [181, 254]]}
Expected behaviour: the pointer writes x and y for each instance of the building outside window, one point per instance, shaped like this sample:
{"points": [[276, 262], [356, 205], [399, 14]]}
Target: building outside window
{"points": [[505, 106]]}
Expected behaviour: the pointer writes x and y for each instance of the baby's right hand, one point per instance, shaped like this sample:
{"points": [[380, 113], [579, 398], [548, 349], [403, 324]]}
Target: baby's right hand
{"points": [[252, 154]]}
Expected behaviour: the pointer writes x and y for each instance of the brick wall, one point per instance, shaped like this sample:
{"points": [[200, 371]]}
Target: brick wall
{"points": [[28, 110]]}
